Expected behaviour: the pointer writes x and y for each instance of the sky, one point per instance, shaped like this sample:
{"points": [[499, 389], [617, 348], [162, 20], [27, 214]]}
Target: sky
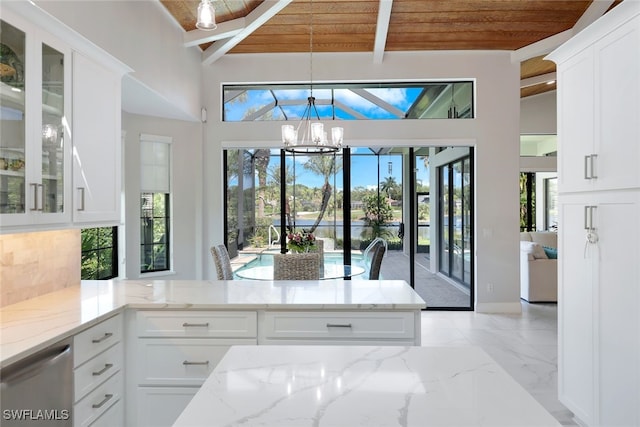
{"points": [[255, 99], [363, 171]]}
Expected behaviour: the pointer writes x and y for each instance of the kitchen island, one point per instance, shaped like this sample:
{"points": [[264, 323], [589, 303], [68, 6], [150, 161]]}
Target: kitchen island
{"points": [[361, 386], [34, 324], [143, 348]]}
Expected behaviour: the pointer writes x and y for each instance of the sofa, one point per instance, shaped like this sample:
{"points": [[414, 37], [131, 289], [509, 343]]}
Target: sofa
{"points": [[539, 266]]}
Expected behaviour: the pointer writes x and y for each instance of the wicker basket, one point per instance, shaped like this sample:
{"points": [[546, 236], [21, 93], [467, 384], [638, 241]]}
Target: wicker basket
{"points": [[319, 248]]}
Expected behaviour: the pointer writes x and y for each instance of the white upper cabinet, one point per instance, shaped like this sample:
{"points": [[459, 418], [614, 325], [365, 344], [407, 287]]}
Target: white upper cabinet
{"points": [[617, 107], [35, 146], [96, 142], [599, 110], [575, 129], [60, 110]]}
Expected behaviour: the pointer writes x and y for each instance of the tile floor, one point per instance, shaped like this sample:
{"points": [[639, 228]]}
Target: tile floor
{"points": [[524, 345]]}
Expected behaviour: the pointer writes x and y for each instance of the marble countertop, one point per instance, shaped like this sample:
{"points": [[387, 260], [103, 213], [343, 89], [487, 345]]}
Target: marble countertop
{"points": [[31, 325], [361, 386]]}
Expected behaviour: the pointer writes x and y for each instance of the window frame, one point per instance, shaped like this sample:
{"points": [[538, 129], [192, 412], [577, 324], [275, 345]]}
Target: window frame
{"points": [[167, 191], [99, 250]]}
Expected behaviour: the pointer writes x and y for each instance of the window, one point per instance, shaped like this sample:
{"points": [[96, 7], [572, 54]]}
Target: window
{"points": [[551, 203], [154, 229], [155, 203], [527, 201], [350, 101], [99, 253]]}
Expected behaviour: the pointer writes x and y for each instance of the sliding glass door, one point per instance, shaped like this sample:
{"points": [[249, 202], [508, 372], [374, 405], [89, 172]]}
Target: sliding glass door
{"points": [[456, 220], [419, 200]]}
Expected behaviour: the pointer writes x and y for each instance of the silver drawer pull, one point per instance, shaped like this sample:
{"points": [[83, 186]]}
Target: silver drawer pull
{"points": [[186, 362], [107, 397], [195, 325], [107, 366], [104, 337], [587, 161], [338, 325]]}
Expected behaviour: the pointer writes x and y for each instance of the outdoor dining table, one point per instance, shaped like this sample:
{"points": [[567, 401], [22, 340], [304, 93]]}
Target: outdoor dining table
{"points": [[330, 271]]}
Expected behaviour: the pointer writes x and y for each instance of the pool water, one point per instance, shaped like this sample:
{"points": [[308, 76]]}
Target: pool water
{"points": [[266, 258]]}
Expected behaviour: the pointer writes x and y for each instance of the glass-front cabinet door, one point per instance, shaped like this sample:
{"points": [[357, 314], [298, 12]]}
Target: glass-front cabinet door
{"points": [[53, 121], [34, 142], [13, 120]]}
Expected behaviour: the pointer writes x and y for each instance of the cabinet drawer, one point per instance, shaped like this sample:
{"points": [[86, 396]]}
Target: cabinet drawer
{"points": [[161, 406], [336, 325], [180, 361], [96, 371], [112, 417], [95, 340], [98, 401], [197, 324]]}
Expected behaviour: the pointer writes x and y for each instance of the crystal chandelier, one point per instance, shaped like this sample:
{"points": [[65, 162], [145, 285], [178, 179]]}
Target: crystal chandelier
{"points": [[313, 138]]}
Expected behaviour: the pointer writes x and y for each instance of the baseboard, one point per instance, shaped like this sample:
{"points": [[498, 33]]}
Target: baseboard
{"points": [[499, 307]]}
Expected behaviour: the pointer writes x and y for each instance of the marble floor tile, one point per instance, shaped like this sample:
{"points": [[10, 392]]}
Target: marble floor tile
{"points": [[525, 345]]}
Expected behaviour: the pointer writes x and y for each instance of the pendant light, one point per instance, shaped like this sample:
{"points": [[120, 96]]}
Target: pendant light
{"points": [[206, 16]]}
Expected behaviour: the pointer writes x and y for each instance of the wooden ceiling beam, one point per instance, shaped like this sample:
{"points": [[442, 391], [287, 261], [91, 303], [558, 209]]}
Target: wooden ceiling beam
{"points": [[536, 80], [596, 10], [254, 20], [224, 30], [382, 29]]}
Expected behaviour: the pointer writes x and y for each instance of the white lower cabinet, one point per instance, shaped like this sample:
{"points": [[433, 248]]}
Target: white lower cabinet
{"points": [[114, 417], [335, 327], [170, 353], [598, 321], [181, 361], [97, 376], [161, 406], [173, 353]]}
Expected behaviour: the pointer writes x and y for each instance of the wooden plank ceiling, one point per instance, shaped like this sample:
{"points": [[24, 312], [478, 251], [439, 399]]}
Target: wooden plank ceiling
{"points": [[352, 25]]}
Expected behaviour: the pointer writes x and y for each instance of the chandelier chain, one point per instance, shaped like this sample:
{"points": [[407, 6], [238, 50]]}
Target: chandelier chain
{"points": [[311, 47]]}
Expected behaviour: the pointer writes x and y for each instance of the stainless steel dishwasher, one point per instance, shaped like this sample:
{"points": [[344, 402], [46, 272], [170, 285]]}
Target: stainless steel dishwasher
{"points": [[38, 390]]}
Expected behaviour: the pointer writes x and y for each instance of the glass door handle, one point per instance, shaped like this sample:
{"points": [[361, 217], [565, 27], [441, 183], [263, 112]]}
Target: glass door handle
{"points": [[41, 186], [81, 189], [35, 196]]}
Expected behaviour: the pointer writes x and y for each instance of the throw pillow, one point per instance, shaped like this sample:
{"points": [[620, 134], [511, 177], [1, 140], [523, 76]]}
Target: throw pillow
{"points": [[534, 249], [552, 253]]}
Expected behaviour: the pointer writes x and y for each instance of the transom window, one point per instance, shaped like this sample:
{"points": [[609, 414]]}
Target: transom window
{"points": [[350, 101]]}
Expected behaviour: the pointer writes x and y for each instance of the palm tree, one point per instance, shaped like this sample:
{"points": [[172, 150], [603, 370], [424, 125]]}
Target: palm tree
{"points": [[261, 159], [325, 166], [388, 185]]}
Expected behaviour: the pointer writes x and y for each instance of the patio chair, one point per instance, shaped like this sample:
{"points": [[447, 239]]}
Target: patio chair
{"points": [[376, 262], [304, 266], [367, 254], [222, 262]]}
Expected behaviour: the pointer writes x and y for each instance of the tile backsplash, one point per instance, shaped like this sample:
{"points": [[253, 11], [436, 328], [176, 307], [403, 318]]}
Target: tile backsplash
{"points": [[33, 264]]}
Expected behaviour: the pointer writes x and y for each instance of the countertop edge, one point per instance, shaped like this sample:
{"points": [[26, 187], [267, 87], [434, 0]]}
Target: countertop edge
{"points": [[73, 326]]}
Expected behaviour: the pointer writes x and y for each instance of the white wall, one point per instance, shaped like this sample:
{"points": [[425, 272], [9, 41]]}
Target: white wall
{"points": [[495, 134], [186, 233], [143, 36], [538, 114]]}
